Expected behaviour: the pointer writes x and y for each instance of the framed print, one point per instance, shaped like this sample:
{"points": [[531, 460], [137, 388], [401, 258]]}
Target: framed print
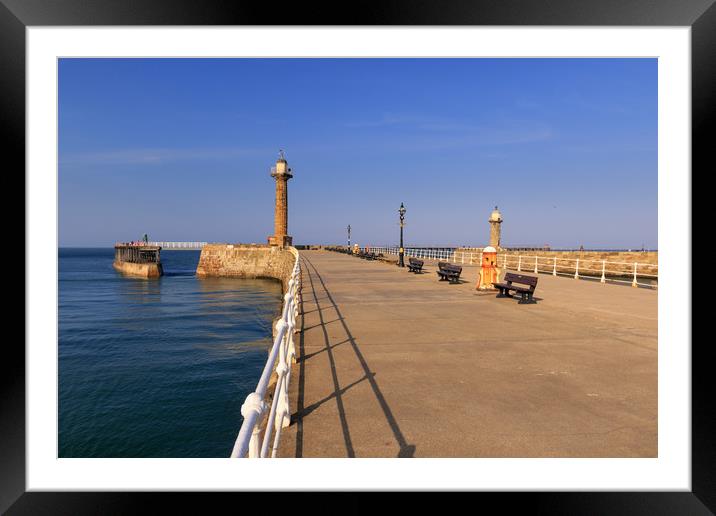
{"points": [[542, 353]]}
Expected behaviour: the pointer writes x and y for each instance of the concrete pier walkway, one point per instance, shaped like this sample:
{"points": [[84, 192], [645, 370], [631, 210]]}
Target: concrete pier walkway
{"points": [[392, 364]]}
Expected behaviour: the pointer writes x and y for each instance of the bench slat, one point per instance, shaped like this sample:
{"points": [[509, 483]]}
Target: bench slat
{"points": [[525, 293], [520, 278], [449, 271]]}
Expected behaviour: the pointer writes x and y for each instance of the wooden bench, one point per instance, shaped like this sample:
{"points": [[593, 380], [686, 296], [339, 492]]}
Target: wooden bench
{"points": [[415, 265], [525, 292], [447, 271]]}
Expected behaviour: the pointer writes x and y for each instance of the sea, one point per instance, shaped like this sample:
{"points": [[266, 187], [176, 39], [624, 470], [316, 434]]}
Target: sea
{"points": [[156, 367]]}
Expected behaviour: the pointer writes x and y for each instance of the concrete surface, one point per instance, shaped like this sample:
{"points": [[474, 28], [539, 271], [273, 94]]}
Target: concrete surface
{"points": [[393, 364]]}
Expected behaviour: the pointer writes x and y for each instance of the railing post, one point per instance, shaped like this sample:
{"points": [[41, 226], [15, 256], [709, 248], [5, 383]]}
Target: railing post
{"points": [[535, 265], [283, 414], [634, 283], [604, 279], [519, 264], [255, 404], [554, 268], [293, 286], [576, 270], [254, 408]]}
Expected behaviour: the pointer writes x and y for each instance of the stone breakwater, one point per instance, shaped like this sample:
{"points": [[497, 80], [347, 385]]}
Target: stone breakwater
{"points": [[250, 261], [247, 261], [589, 261], [141, 270]]}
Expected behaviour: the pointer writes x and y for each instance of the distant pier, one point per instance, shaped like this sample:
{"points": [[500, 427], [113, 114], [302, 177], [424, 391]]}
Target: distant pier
{"points": [[179, 246], [138, 259]]}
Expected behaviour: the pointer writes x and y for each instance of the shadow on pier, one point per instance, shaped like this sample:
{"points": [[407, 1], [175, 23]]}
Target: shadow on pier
{"points": [[321, 297]]}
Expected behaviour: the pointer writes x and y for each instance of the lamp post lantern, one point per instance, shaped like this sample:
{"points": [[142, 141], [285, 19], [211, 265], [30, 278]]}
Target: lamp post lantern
{"points": [[349, 238], [401, 253]]}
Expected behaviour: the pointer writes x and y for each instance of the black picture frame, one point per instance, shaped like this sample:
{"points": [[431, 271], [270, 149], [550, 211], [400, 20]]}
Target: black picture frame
{"points": [[16, 15]]}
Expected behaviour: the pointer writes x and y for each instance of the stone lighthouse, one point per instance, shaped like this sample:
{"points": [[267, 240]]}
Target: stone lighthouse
{"points": [[282, 174], [495, 228]]}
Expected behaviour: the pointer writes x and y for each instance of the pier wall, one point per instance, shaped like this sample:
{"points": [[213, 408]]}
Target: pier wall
{"points": [[247, 261], [142, 270], [590, 261], [618, 263]]}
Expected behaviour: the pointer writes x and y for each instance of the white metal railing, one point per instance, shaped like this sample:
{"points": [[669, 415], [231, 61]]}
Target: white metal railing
{"points": [[179, 245], [254, 436], [634, 273], [430, 254]]}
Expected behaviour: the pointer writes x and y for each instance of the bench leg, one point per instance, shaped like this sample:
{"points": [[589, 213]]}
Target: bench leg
{"points": [[526, 297]]}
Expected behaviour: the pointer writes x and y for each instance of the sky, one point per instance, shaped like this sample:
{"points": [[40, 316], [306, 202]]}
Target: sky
{"points": [[181, 149]]}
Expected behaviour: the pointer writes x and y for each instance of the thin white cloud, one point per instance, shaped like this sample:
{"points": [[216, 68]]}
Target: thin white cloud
{"points": [[427, 123], [447, 133], [482, 138], [580, 102], [154, 156], [384, 121]]}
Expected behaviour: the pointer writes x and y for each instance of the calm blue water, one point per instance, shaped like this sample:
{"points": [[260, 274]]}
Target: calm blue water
{"points": [[156, 368]]}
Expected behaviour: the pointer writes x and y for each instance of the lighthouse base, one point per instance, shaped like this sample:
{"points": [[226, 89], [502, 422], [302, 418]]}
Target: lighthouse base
{"points": [[281, 241]]}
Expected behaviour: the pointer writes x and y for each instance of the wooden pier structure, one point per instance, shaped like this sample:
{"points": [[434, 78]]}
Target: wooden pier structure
{"points": [[138, 260]]}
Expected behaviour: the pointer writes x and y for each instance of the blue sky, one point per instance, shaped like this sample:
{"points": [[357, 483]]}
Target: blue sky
{"points": [[181, 149]]}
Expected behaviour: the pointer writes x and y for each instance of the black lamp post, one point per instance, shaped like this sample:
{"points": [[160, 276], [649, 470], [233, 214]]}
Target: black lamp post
{"points": [[401, 253], [349, 238]]}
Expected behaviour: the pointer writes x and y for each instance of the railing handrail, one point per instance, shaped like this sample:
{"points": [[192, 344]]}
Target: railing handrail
{"points": [[525, 261], [179, 245], [249, 440]]}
